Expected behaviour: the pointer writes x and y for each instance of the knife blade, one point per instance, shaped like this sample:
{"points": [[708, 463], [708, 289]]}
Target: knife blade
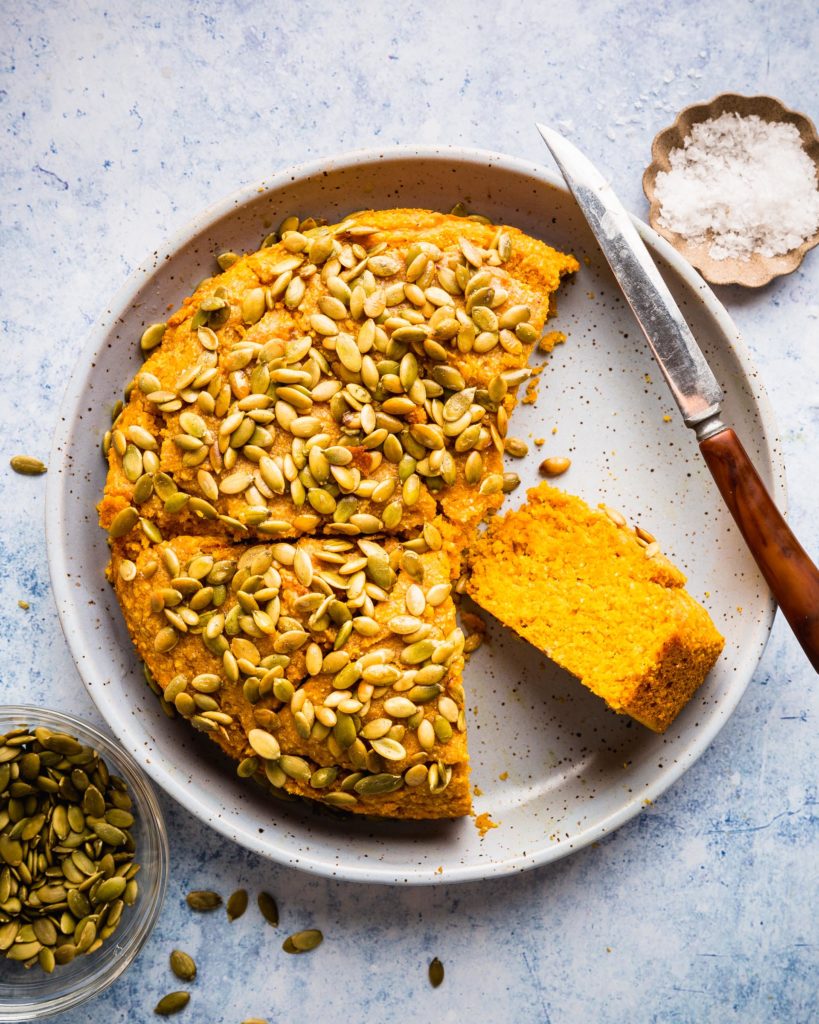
{"points": [[688, 375], [786, 566]]}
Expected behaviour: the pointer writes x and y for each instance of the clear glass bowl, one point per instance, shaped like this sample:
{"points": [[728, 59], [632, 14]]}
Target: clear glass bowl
{"points": [[27, 995]]}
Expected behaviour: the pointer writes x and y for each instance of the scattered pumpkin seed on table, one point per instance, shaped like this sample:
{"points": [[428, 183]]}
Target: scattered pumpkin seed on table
{"points": [[203, 900], [183, 965], [236, 904], [436, 972], [269, 908], [173, 1002], [303, 942], [27, 465]]}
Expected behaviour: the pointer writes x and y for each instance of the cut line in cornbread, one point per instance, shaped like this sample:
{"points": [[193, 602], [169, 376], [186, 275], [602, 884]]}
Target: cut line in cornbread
{"points": [[600, 600]]}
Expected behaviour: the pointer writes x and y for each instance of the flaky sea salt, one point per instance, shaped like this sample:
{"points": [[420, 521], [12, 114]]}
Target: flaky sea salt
{"points": [[743, 184]]}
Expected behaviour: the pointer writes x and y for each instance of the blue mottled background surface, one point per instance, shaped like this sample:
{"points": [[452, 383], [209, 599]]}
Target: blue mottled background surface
{"points": [[119, 122]]}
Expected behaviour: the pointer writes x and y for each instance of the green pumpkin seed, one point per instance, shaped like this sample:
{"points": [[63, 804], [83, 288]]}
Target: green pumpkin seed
{"points": [[492, 484], [226, 259], [423, 694], [339, 799], [295, 767], [23, 950], [203, 900], [127, 570], [109, 834], [411, 491], [516, 447], [110, 889], [303, 942], [269, 908], [173, 1002], [418, 652], [152, 336], [323, 777], [497, 389], [389, 748], [124, 521], [143, 489], [399, 707], [164, 486], [183, 965], [44, 931], [436, 972], [253, 305], [473, 468], [321, 249], [236, 904], [132, 463], [8, 932], [46, 960], [377, 785], [264, 743], [442, 729], [416, 776], [526, 333]]}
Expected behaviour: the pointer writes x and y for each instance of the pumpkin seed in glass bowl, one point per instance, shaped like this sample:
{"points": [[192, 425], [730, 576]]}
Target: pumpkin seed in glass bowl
{"points": [[83, 862]]}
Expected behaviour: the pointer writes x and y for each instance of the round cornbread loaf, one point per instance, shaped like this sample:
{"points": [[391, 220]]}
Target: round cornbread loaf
{"points": [[310, 444]]}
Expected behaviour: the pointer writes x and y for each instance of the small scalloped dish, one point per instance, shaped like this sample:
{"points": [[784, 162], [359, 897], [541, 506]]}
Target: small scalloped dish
{"points": [[758, 270]]}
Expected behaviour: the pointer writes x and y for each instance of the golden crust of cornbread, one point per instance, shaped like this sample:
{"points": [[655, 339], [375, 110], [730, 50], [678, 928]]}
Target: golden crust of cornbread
{"points": [[599, 599], [229, 709], [206, 374]]}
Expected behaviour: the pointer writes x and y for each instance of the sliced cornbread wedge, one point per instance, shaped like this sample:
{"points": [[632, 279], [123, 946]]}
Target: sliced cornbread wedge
{"points": [[584, 588], [329, 668], [345, 380]]}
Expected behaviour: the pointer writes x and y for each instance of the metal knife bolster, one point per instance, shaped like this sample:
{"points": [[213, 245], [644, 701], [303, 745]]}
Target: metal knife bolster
{"points": [[693, 385]]}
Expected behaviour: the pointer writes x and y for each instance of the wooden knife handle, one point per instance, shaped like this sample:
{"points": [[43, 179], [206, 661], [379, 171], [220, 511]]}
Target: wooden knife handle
{"points": [[784, 563]]}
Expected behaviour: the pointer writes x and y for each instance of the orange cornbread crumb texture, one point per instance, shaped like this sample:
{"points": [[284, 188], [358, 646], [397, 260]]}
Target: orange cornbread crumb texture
{"points": [[586, 592], [484, 823]]}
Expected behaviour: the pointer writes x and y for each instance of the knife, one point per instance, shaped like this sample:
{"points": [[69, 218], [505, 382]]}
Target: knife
{"points": [[786, 566]]}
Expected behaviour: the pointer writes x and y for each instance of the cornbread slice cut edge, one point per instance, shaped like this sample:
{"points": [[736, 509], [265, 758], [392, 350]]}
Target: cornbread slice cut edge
{"points": [[634, 637]]}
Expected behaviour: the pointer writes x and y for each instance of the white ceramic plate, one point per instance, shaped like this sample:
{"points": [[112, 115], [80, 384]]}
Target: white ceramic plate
{"points": [[556, 769]]}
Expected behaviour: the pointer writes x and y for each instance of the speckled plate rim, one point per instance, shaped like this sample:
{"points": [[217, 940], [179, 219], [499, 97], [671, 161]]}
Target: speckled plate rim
{"points": [[73, 612]]}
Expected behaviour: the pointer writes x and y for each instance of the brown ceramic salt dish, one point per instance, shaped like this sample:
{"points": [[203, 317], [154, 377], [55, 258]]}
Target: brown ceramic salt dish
{"points": [[758, 270]]}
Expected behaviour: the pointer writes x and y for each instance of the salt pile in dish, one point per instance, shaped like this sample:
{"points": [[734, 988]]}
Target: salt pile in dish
{"points": [[743, 184]]}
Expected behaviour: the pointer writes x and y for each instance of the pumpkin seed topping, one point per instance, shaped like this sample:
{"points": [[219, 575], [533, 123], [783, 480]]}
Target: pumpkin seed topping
{"points": [[356, 422], [377, 321]]}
